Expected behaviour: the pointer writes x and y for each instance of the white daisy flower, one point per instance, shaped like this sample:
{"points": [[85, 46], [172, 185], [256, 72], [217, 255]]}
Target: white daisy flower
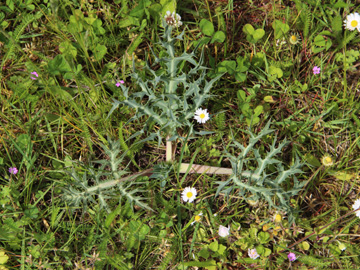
{"points": [[355, 206], [197, 218], [189, 194], [253, 253], [352, 21], [201, 115], [224, 231]]}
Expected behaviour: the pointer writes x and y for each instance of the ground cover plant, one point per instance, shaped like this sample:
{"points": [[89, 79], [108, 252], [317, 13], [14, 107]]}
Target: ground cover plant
{"points": [[163, 134]]}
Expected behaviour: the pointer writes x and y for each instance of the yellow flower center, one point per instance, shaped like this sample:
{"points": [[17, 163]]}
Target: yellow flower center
{"points": [[354, 23], [202, 115], [197, 218], [328, 160], [293, 38], [189, 194]]}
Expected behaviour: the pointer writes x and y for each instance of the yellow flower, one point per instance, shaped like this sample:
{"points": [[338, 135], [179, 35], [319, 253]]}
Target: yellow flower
{"points": [[326, 160], [277, 218], [294, 39]]}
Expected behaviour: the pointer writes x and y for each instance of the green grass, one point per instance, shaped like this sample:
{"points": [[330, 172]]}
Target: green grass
{"points": [[57, 130]]}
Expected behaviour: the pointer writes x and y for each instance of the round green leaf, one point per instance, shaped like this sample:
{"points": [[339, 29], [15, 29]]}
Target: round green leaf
{"points": [[258, 34], [168, 5], [204, 253], [239, 76], [206, 27], [99, 52], [319, 41], [58, 65], [275, 71], [242, 64], [258, 110], [280, 28], [67, 48], [248, 29], [214, 246], [219, 36]]}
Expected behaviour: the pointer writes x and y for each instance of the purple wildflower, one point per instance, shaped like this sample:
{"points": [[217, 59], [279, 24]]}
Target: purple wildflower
{"points": [[34, 73], [120, 82], [13, 170], [316, 70], [291, 257]]}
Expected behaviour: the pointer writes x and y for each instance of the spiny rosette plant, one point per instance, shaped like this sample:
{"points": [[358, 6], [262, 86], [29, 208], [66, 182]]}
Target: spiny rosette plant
{"points": [[172, 96], [267, 181], [96, 186]]}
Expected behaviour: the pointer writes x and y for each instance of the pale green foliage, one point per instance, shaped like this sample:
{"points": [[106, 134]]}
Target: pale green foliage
{"points": [[80, 193], [171, 97], [268, 179], [14, 37], [306, 16], [220, 121], [315, 262]]}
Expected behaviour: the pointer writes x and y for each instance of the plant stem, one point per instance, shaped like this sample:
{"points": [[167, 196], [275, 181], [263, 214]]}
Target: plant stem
{"points": [[195, 168], [168, 150]]}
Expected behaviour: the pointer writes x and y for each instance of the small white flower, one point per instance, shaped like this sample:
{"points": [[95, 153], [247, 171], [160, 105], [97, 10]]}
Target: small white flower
{"points": [[253, 253], [280, 42], [173, 19], [197, 218], [189, 194], [169, 19], [201, 115], [352, 21], [224, 231], [178, 22], [355, 206]]}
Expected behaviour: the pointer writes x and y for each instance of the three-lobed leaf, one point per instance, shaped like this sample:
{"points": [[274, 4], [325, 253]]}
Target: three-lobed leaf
{"points": [[280, 28]]}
